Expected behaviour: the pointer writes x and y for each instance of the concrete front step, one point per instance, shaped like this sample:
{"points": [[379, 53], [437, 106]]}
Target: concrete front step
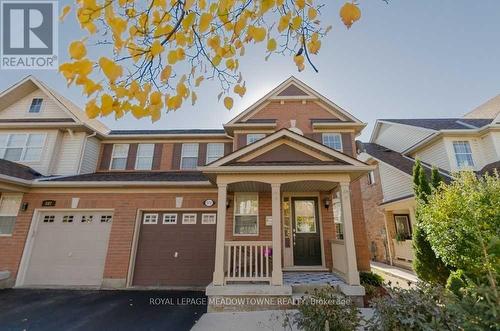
{"points": [[5, 280]]}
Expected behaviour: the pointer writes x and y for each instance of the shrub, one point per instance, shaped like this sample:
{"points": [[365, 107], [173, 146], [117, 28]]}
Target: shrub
{"points": [[370, 278], [421, 308], [456, 282], [327, 309]]}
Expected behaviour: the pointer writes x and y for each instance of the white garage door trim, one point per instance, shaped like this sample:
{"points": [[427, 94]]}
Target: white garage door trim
{"points": [[27, 252]]}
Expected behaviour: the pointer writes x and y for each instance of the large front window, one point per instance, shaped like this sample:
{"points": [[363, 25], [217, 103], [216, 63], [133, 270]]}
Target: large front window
{"points": [[463, 154], [21, 147], [9, 206], [189, 156], [246, 214], [119, 156], [144, 160], [332, 140]]}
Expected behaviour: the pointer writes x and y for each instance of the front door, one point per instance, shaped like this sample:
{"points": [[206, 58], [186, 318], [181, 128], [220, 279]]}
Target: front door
{"points": [[306, 237]]}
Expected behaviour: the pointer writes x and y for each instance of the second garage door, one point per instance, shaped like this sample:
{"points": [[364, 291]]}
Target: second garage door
{"points": [[175, 249], [69, 249]]}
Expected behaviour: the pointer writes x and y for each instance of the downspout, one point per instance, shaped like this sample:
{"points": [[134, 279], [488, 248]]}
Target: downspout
{"points": [[83, 150]]}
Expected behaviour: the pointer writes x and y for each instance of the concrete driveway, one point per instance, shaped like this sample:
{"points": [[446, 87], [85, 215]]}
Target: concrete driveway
{"points": [[23, 309]]}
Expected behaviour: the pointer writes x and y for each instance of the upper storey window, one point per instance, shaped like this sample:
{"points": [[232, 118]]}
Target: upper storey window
{"points": [[21, 147], [463, 154], [144, 160], [36, 105], [189, 156], [333, 140], [214, 151], [119, 156], [253, 137]]}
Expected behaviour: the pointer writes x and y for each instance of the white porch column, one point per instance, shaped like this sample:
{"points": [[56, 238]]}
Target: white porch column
{"points": [[277, 276], [352, 275], [388, 237], [220, 236]]}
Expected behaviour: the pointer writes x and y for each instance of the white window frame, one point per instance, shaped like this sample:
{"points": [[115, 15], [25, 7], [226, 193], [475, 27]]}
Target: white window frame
{"points": [[212, 216], [371, 177], [468, 144], [139, 156], [236, 195], [150, 218], [169, 215], [24, 147], [186, 215], [183, 151], [118, 157], [212, 158], [325, 135], [13, 213], [255, 137], [39, 107]]}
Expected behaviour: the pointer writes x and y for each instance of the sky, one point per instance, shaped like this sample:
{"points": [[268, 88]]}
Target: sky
{"points": [[405, 59]]}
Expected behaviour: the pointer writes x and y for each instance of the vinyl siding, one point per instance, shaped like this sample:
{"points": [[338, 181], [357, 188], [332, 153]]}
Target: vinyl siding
{"points": [[399, 137], [50, 109], [436, 155], [90, 156], [68, 159], [490, 147], [395, 184], [476, 148]]}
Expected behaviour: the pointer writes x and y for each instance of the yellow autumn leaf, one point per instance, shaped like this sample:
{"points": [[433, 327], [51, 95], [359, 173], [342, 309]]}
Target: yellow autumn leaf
{"points": [[156, 48], [174, 102], [349, 13], [172, 57], [257, 33], [240, 90], [296, 22], [90, 87], [271, 45], [77, 50], [284, 22], [91, 109], [312, 13], [228, 103], [299, 61], [106, 104], [198, 81], [155, 98], [112, 70], [65, 11], [205, 20], [300, 3], [166, 73]]}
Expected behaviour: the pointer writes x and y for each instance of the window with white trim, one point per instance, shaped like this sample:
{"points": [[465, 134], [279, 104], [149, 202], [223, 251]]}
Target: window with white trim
{"points": [[214, 152], [332, 140], [371, 177], [463, 154], [150, 219], [21, 147], [253, 137], [188, 218], [144, 158], [36, 105], [189, 156], [9, 207], [403, 227], [246, 214], [119, 157], [208, 218], [169, 218]]}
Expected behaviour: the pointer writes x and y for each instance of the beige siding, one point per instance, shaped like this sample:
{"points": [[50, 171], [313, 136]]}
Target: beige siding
{"points": [[395, 184], [68, 158], [490, 146], [43, 166], [436, 155], [90, 156], [399, 137], [476, 148], [50, 109]]}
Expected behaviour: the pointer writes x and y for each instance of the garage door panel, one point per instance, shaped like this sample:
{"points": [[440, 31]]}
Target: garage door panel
{"points": [[157, 263], [68, 253]]}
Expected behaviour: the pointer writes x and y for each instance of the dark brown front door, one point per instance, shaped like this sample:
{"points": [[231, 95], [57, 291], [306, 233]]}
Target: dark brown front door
{"points": [[306, 237]]}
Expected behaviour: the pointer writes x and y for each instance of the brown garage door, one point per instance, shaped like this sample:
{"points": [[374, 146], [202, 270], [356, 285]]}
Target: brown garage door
{"points": [[175, 249]]}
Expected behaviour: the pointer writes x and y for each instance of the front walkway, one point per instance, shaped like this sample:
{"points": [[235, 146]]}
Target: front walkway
{"points": [[397, 276]]}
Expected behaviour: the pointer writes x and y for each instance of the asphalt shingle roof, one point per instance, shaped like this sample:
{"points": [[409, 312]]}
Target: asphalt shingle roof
{"points": [[135, 176], [443, 123], [186, 131], [17, 170]]}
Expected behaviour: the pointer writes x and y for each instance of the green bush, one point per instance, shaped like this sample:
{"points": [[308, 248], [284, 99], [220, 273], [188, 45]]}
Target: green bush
{"points": [[370, 278], [420, 308], [327, 309], [456, 282]]}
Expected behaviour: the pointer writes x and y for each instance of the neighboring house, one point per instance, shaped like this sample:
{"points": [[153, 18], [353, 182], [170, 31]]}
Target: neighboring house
{"points": [[275, 191], [450, 144]]}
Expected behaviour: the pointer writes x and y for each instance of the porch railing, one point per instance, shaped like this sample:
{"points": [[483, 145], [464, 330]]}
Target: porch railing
{"points": [[248, 261]]}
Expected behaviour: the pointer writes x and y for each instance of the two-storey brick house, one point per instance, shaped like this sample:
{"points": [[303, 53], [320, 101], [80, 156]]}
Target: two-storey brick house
{"points": [[275, 191]]}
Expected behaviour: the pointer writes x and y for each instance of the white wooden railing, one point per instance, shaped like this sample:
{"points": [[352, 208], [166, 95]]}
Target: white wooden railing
{"points": [[248, 261]]}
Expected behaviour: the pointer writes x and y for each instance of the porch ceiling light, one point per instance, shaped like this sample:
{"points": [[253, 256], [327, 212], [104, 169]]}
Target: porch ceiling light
{"points": [[228, 203], [326, 201]]}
